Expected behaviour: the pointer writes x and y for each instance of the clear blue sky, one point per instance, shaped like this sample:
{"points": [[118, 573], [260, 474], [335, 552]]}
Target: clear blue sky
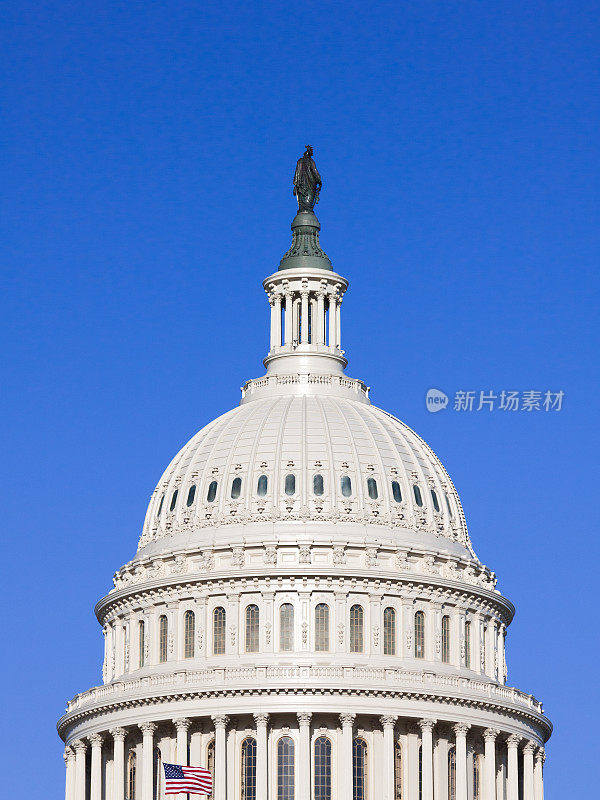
{"points": [[147, 153]]}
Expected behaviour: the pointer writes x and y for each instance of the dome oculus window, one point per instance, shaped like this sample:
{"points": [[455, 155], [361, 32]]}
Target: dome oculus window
{"points": [[191, 495], [212, 492], [372, 488], [290, 484], [418, 495], [396, 492], [318, 485], [346, 485], [261, 488], [435, 500], [236, 488], [174, 500]]}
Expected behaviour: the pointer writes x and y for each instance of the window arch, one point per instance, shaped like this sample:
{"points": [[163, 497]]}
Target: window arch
{"points": [[163, 638], [396, 492], [141, 643], [157, 769], [418, 496], [290, 484], [131, 769], [212, 492], [174, 500], [219, 621], [398, 771], [261, 486], [372, 488], [452, 773], [359, 769], [210, 762], [286, 627], [322, 628], [252, 628], [191, 495], [236, 488], [357, 616], [389, 632], [189, 634], [285, 768], [446, 639], [468, 644], [419, 634], [318, 486], [322, 768], [248, 776], [346, 485]]}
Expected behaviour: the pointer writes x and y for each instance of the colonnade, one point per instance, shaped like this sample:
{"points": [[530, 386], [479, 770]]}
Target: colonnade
{"points": [[420, 773], [295, 329]]}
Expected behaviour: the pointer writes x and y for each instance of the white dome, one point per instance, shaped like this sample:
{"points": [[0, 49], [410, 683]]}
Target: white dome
{"points": [[306, 436]]}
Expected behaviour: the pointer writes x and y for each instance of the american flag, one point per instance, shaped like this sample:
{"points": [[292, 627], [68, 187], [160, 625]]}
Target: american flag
{"points": [[183, 780]]}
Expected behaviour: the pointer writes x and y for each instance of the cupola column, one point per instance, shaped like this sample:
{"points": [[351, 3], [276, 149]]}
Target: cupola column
{"points": [[96, 767], [288, 318], [388, 723], [319, 334], [118, 735], [538, 774], [338, 323], [426, 726], [460, 731], [80, 748], [220, 789], [332, 320], [304, 719], [182, 726], [262, 782], [489, 782], [148, 729], [512, 782], [346, 772], [304, 317], [528, 790], [69, 757]]}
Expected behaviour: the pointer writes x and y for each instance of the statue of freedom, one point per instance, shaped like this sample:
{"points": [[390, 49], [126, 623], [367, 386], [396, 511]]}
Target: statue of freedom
{"points": [[307, 181]]}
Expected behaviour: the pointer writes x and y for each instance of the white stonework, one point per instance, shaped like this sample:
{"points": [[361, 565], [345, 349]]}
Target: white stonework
{"points": [[305, 572]]}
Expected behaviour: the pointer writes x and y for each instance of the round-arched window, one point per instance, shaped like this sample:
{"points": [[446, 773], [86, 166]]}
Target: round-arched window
{"points": [[261, 488], [396, 492], [174, 500], [318, 485], [346, 485], [236, 488], [435, 500], [191, 495], [372, 488], [212, 492], [162, 500], [290, 484], [418, 496]]}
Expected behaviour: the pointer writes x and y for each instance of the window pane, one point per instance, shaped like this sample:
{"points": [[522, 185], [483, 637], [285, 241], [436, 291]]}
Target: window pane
{"points": [[141, 643], [318, 485], [290, 484], [418, 497], [322, 768], [285, 769], [468, 645], [346, 485], [252, 629], [160, 505], [174, 500], [163, 635], [248, 788], [191, 495], [389, 632], [446, 639], [449, 506], [356, 629], [212, 492], [189, 634], [286, 627], [322, 628], [434, 498], [261, 488], [219, 631], [396, 492], [236, 488], [419, 635], [359, 769], [372, 488]]}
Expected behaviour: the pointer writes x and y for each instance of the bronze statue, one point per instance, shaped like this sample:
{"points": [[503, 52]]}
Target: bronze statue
{"points": [[307, 181]]}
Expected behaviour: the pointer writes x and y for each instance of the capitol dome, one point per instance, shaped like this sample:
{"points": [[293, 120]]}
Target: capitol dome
{"points": [[305, 615]]}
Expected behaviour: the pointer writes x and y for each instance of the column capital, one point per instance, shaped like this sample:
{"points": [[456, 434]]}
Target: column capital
{"points": [[490, 734], [69, 754], [427, 724], [80, 746], [304, 717], [388, 720], [261, 718], [220, 720], [460, 729], [95, 739], [182, 723], [118, 734], [148, 728], [529, 747], [347, 718], [514, 740], [540, 754]]}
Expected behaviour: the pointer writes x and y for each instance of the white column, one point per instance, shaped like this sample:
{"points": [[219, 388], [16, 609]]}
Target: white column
{"points": [[288, 318], [262, 763], [332, 320], [118, 735], [512, 779], [440, 774], [460, 732], [319, 334], [69, 757], [345, 772], [412, 789], [528, 771], [220, 788], [388, 722], [304, 772], [80, 748], [147, 729], [501, 653], [277, 320], [182, 726], [426, 726], [304, 317], [96, 767], [489, 781], [273, 340], [338, 322], [538, 773]]}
